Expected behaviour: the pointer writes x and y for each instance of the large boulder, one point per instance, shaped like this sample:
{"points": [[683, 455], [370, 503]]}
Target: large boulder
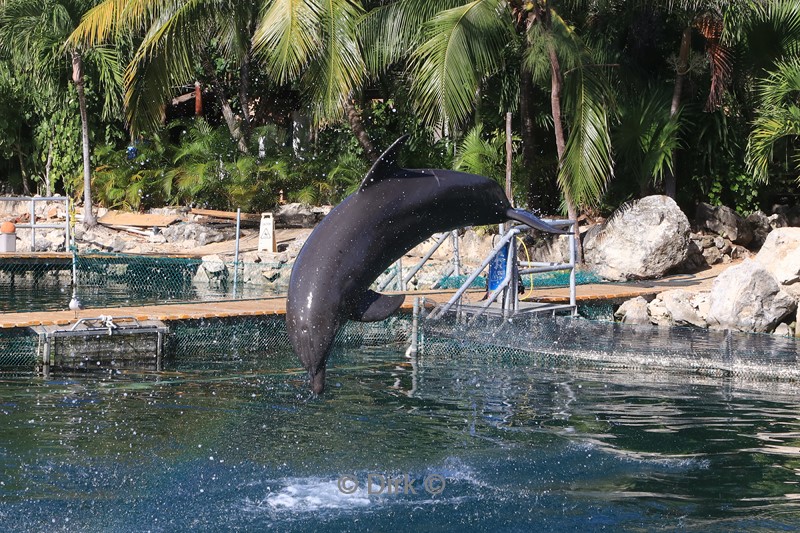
{"points": [[780, 255], [746, 297], [641, 240], [724, 221]]}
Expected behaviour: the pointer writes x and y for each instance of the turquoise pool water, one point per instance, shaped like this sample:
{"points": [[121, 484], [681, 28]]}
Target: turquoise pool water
{"points": [[511, 443]]}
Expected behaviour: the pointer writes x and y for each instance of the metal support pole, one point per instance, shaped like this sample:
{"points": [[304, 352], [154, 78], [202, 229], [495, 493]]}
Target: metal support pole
{"points": [[414, 346], [236, 252], [66, 224], [33, 226], [400, 281], [46, 357], [456, 255], [508, 295], [159, 352], [572, 260]]}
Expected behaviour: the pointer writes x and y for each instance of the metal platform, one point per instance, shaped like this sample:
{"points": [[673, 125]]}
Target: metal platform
{"points": [[95, 349]]}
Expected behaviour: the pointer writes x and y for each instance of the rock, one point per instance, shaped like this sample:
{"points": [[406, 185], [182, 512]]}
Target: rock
{"points": [[213, 264], [777, 221], [712, 255], [759, 224], [633, 311], [746, 297], [782, 330], [547, 248], [295, 246], [443, 253], [701, 302], [295, 215], [724, 221], [321, 211], [739, 252], [192, 233], [780, 255], [791, 214], [474, 247], [674, 308], [695, 260], [642, 240], [119, 244]]}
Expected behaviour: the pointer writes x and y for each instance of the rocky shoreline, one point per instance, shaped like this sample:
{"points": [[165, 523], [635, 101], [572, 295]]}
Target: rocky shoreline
{"points": [[644, 239]]}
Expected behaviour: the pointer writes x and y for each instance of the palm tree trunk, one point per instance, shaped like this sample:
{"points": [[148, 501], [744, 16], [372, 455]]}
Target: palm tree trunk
{"points": [[556, 82], [244, 97], [528, 126], [227, 112], [682, 68], [357, 125], [89, 218], [528, 132]]}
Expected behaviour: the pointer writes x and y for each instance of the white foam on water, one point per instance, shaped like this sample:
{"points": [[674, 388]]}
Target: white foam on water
{"points": [[313, 494]]}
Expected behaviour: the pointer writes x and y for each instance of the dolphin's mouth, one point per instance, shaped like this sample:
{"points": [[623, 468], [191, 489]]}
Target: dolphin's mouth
{"points": [[533, 221]]}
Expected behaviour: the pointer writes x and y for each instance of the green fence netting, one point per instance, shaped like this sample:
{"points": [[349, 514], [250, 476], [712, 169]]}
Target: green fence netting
{"points": [[18, 348], [210, 343], [44, 282]]}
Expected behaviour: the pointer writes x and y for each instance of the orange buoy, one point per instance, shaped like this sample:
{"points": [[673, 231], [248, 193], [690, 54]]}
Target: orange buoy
{"points": [[8, 227]]}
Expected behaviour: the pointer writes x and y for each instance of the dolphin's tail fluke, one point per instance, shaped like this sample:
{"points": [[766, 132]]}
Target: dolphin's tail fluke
{"points": [[533, 221]]}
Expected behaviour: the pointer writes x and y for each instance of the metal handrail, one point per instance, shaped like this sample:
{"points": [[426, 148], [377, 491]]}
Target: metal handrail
{"points": [[511, 302], [33, 226], [416, 268]]}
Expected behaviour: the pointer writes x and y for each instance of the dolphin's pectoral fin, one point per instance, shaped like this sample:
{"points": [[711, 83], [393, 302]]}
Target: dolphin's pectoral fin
{"points": [[533, 221], [374, 307], [385, 165]]}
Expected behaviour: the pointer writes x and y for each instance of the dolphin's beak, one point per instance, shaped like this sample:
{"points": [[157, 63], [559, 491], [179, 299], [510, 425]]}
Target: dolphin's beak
{"points": [[317, 381], [533, 221]]}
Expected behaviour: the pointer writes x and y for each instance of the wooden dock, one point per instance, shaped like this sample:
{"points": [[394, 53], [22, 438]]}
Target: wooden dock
{"points": [[592, 293]]}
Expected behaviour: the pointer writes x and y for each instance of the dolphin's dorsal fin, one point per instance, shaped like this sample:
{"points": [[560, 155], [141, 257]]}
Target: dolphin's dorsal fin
{"points": [[386, 165]]}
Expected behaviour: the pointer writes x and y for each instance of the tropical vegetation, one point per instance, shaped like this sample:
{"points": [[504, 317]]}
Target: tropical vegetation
{"points": [[589, 103]]}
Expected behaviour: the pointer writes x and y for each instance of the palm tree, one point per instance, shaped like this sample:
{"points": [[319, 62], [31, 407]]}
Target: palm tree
{"points": [[38, 31], [310, 45], [456, 46]]}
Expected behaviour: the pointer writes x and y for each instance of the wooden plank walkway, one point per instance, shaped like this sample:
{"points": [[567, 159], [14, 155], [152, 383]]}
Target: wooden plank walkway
{"points": [[277, 305], [182, 311]]}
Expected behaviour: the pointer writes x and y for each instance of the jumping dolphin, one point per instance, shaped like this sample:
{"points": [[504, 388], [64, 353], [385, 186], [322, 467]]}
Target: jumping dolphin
{"points": [[393, 210]]}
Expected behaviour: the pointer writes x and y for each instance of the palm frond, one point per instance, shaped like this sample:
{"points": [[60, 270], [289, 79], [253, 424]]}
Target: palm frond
{"points": [[391, 31], [339, 68], [462, 46], [287, 37]]}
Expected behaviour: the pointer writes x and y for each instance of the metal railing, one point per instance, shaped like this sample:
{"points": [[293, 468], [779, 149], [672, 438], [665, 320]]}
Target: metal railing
{"points": [[453, 270], [32, 225], [507, 289]]}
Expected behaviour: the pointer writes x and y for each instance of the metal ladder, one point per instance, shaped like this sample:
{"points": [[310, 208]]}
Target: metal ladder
{"points": [[504, 300]]}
